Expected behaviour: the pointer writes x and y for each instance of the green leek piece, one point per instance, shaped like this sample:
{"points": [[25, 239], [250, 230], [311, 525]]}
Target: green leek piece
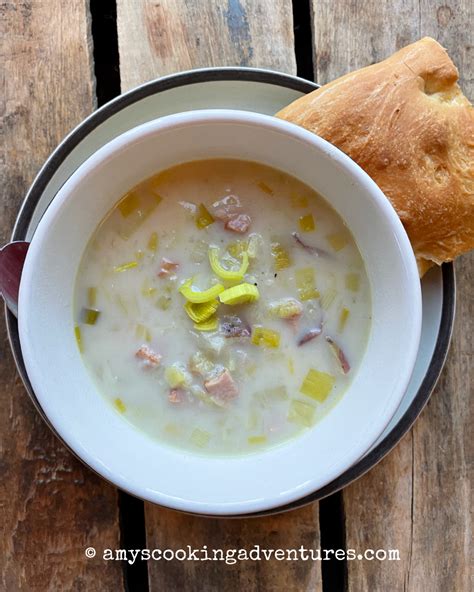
{"points": [[200, 437], [175, 376], [125, 266], [291, 366], [305, 282], [163, 302], [337, 241], [236, 248], [343, 318], [210, 324], [317, 385], [137, 206], [227, 274], [265, 188], [90, 315], [198, 296], [257, 439], [301, 413], [265, 337], [328, 298], [92, 297], [119, 405], [352, 282], [306, 223], [142, 332], [281, 257], [201, 312], [78, 336], [240, 294], [152, 243], [298, 201], [286, 308], [129, 204], [203, 217]]}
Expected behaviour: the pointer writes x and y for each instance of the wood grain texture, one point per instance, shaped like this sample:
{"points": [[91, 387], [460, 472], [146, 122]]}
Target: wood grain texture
{"points": [[170, 530], [418, 498], [52, 507], [158, 38]]}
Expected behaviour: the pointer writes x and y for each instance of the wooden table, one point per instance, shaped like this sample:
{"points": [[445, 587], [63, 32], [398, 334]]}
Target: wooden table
{"points": [[417, 500]]}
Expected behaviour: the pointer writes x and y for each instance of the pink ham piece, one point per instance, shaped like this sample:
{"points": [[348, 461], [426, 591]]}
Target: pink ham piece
{"points": [[239, 223], [175, 396], [167, 267], [222, 388], [148, 357]]}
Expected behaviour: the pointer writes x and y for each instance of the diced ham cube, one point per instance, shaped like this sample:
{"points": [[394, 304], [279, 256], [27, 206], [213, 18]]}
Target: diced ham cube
{"points": [[175, 396], [148, 357], [239, 223], [222, 388], [167, 267]]}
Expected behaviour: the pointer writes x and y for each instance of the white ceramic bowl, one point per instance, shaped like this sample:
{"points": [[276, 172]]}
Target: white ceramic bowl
{"points": [[129, 458]]}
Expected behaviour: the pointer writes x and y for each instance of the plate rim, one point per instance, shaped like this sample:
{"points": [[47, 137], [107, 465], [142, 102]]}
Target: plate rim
{"points": [[223, 74]]}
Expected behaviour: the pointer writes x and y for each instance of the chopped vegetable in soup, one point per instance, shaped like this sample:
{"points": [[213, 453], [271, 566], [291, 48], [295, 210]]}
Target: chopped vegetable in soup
{"points": [[222, 307]]}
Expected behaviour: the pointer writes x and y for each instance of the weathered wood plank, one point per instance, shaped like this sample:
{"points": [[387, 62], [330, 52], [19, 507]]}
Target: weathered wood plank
{"points": [[52, 507], [158, 38], [170, 530], [417, 499]]}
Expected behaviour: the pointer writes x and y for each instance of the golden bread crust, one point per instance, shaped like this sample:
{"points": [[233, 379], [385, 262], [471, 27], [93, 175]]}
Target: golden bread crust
{"points": [[406, 122]]}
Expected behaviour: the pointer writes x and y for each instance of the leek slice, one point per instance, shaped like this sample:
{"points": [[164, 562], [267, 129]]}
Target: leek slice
{"points": [[343, 318], [236, 248], [286, 308], [152, 243], [201, 312], [281, 257], [176, 376], [265, 188], [78, 336], [301, 413], [142, 332], [210, 325], [257, 439], [352, 282], [305, 282], [163, 302], [317, 385], [119, 405], [240, 294], [200, 437], [90, 315], [265, 337], [125, 266], [328, 298], [227, 274], [92, 297], [306, 223], [298, 201], [129, 204], [198, 296], [203, 217], [337, 241]]}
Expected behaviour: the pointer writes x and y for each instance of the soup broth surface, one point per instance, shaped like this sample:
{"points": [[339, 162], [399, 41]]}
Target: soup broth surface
{"points": [[281, 327]]}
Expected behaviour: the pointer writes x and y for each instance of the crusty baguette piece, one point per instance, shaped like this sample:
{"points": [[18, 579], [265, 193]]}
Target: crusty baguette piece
{"points": [[406, 122]]}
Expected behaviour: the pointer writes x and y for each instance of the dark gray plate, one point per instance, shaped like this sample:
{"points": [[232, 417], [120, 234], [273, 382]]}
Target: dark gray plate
{"points": [[254, 90]]}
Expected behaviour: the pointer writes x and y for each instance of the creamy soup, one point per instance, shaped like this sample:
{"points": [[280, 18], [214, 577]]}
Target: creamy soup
{"points": [[222, 306]]}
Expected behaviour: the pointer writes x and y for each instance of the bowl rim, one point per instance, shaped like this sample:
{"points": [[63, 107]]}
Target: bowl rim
{"points": [[240, 116]]}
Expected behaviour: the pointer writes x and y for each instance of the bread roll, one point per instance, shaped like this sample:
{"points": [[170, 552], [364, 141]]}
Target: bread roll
{"points": [[406, 122]]}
